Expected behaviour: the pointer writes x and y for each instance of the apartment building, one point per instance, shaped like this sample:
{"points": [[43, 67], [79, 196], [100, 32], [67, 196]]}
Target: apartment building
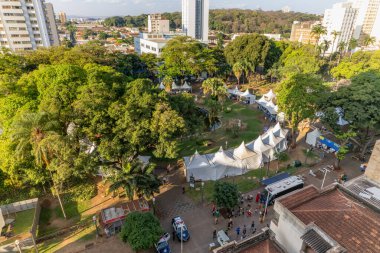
{"points": [[158, 25], [27, 25], [340, 18], [368, 19], [195, 16], [62, 17], [301, 32]]}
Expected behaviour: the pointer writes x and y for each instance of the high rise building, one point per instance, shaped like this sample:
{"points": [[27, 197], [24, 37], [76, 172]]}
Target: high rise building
{"points": [[62, 17], [27, 25], [368, 19], [301, 32], [195, 15], [158, 25], [341, 19]]}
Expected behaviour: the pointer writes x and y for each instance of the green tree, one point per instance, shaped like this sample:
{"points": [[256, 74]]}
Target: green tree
{"points": [[298, 98], [352, 44], [103, 36], [335, 35], [72, 29], [281, 157], [238, 70], [216, 88], [325, 46], [317, 31], [141, 230], [37, 134], [341, 49], [226, 195], [135, 178], [168, 81], [220, 41], [368, 41]]}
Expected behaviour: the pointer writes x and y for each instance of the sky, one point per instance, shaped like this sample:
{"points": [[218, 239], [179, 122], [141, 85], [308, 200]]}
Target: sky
{"points": [[105, 8]]}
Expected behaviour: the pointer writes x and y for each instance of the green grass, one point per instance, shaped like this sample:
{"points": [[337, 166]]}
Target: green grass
{"points": [[73, 209], [24, 221], [249, 118]]}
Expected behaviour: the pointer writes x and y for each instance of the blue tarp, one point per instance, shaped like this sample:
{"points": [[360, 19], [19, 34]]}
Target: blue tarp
{"points": [[329, 143], [275, 179]]}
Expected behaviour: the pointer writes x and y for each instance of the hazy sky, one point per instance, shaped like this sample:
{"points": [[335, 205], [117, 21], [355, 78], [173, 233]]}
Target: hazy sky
{"points": [[133, 7]]}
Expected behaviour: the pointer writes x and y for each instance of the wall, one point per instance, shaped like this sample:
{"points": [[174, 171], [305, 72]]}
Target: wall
{"points": [[373, 170], [19, 206]]}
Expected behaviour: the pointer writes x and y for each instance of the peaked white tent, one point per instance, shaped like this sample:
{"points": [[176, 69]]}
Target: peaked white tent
{"points": [[175, 86], [312, 137], [269, 96], [186, 86], [239, 160], [162, 86]]}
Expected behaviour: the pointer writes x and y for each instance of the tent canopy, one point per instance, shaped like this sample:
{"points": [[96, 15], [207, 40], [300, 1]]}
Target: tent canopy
{"points": [[312, 137], [162, 86]]}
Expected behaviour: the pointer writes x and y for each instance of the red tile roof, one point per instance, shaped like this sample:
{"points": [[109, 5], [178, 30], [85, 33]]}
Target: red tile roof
{"points": [[352, 225], [266, 246], [298, 197]]}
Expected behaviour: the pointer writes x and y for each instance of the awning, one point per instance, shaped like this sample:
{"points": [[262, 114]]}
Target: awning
{"points": [[275, 179], [315, 241], [329, 143]]}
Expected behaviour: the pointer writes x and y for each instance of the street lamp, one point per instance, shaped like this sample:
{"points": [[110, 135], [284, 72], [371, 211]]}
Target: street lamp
{"points": [[202, 186], [181, 239], [96, 225], [154, 205]]}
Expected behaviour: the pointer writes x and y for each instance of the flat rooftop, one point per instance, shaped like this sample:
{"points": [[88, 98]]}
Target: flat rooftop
{"points": [[345, 219]]}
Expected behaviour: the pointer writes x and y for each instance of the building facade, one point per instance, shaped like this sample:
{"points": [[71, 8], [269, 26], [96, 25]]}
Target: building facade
{"points": [[152, 43], [158, 25], [368, 19], [195, 16], [301, 32], [27, 25], [62, 17], [340, 18]]}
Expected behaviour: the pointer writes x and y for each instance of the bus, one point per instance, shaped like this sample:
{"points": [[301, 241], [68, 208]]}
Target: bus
{"points": [[282, 187]]}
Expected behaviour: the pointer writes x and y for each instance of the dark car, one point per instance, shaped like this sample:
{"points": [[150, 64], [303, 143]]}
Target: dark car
{"points": [[180, 229], [163, 246]]}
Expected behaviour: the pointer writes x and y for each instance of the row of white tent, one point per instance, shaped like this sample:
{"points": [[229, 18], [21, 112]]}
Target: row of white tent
{"points": [[239, 160], [246, 94], [175, 87]]}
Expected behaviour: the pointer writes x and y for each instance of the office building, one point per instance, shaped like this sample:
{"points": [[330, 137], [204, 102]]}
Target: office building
{"points": [[158, 25], [340, 18], [301, 32], [27, 25], [195, 15], [62, 17], [152, 43]]}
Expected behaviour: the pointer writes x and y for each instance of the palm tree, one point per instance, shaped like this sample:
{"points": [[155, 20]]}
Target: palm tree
{"points": [[39, 134], [352, 44], [325, 46], [335, 35], [136, 179], [317, 31], [341, 49], [368, 41], [238, 70]]}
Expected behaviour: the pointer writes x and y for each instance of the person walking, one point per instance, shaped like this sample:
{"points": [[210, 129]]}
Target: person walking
{"points": [[257, 197], [252, 226], [237, 232], [244, 231], [214, 234], [183, 189], [217, 214]]}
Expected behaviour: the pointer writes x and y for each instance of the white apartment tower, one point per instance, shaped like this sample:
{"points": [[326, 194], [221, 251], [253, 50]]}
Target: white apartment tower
{"points": [[195, 15], [158, 25], [340, 18], [368, 19], [27, 25]]}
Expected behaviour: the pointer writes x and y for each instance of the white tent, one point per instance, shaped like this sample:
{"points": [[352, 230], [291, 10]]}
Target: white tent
{"points": [[162, 86], [225, 165], [198, 166], [250, 160], [311, 138], [251, 98], [186, 86], [269, 96], [175, 86]]}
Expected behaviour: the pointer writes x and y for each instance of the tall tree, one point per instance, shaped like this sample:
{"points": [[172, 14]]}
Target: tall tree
{"points": [[335, 35], [317, 31], [368, 41], [298, 98], [238, 70], [215, 87]]}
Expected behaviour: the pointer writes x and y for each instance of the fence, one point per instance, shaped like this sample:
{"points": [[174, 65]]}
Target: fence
{"points": [[19, 206]]}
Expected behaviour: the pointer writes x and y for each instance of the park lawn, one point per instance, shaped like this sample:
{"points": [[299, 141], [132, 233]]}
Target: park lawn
{"points": [[73, 209], [24, 221], [249, 118]]}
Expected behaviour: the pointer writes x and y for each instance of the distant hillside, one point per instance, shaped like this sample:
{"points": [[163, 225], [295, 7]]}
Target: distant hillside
{"points": [[229, 20]]}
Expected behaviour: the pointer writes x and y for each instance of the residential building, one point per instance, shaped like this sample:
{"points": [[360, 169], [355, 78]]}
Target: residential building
{"points": [[340, 18], [62, 17], [152, 43], [27, 25], [195, 16], [158, 25], [286, 9], [368, 19], [339, 218], [302, 32]]}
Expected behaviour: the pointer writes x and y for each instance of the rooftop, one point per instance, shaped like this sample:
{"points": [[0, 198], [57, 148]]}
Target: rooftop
{"points": [[343, 218], [267, 246]]}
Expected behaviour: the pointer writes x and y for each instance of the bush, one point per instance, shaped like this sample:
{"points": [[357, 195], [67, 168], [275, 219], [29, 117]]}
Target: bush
{"points": [[226, 195], [83, 191]]}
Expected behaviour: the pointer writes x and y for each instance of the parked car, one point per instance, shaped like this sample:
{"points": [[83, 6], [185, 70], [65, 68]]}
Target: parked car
{"points": [[162, 246], [180, 229]]}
